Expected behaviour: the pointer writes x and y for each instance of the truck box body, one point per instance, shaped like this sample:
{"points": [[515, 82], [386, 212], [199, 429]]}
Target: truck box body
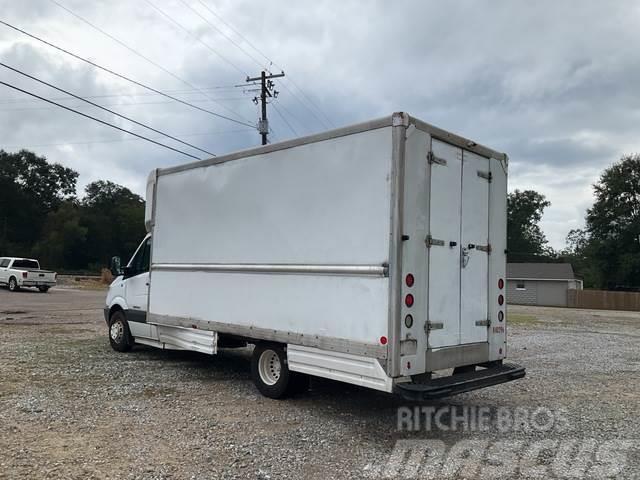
{"points": [[309, 243]]}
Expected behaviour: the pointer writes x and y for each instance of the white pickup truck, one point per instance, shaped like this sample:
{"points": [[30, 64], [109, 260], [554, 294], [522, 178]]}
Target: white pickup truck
{"points": [[25, 272]]}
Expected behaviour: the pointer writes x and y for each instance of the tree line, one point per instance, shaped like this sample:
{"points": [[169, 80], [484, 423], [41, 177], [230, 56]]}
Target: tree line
{"points": [[42, 217], [606, 252]]}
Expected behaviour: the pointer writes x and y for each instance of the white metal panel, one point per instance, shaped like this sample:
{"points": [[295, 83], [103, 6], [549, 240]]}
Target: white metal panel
{"points": [[497, 259], [414, 252], [444, 261], [344, 367], [320, 203], [348, 307], [475, 232]]}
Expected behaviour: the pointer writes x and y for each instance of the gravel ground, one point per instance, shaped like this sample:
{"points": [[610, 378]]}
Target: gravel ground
{"points": [[70, 407]]}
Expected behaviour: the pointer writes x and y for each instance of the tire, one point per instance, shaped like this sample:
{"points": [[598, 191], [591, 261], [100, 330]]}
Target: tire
{"points": [[13, 285], [43, 289], [271, 374], [119, 334]]}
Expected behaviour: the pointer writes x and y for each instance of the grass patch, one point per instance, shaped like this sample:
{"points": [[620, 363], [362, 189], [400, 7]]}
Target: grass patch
{"points": [[521, 319]]}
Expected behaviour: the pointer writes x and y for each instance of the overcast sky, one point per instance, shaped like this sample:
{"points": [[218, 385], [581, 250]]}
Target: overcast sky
{"points": [[553, 84]]}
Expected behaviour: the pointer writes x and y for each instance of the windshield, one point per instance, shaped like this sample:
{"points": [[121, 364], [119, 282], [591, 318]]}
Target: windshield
{"points": [[28, 264]]}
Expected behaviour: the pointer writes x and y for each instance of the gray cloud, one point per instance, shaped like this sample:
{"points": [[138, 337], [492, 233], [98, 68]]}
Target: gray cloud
{"points": [[552, 84]]}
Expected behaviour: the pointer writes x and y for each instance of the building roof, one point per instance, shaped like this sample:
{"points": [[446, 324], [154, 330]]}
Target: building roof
{"points": [[547, 271]]}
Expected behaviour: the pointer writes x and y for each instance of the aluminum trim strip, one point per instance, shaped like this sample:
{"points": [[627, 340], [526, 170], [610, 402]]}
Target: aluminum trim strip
{"points": [[356, 270], [258, 333]]}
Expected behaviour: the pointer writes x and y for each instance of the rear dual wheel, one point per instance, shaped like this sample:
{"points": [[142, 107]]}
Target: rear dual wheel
{"points": [[271, 374]]}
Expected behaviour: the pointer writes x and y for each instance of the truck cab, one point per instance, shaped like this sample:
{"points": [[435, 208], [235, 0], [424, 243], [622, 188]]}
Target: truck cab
{"points": [[126, 303]]}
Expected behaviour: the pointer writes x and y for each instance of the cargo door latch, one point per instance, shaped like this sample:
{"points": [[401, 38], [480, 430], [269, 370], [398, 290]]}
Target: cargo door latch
{"points": [[428, 326], [430, 241]]}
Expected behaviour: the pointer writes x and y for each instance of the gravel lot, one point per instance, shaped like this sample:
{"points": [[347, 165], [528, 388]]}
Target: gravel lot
{"points": [[70, 407]]}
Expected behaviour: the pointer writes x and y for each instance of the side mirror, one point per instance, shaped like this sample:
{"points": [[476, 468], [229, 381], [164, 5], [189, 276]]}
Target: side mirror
{"points": [[116, 268], [128, 272]]}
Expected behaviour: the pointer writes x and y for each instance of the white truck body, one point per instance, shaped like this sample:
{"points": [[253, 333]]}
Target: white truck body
{"points": [[308, 243], [25, 272]]}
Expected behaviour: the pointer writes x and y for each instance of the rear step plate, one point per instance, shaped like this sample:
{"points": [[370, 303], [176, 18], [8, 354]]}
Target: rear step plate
{"points": [[460, 383]]}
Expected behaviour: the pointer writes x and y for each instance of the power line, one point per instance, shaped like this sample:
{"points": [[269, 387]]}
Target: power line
{"points": [[10, 101], [185, 29], [104, 108], [117, 140], [98, 120], [293, 130], [135, 52], [272, 63], [128, 79], [129, 104], [220, 31]]}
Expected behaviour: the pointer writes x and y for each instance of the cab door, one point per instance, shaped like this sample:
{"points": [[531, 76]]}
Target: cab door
{"points": [[137, 289]]}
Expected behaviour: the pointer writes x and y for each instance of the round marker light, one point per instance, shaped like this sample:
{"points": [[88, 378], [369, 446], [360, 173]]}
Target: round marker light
{"points": [[501, 284], [410, 280], [383, 340], [500, 299], [408, 321], [500, 316], [408, 300]]}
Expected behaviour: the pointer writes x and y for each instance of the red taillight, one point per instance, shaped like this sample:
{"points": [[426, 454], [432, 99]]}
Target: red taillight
{"points": [[408, 300], [501, 284], [383, 340], [24, 274], [500, 299], [409, 280]]}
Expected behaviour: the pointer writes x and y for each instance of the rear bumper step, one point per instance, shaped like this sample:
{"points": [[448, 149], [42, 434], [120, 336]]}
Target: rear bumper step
{"points": [[460, 383]]}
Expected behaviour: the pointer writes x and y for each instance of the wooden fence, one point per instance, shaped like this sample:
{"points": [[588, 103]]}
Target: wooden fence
{"points": [[603, 300]]}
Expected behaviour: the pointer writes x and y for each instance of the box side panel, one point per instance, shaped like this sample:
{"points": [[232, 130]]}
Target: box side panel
{"points": [[319, 203], [347, 307], [286, 246]]}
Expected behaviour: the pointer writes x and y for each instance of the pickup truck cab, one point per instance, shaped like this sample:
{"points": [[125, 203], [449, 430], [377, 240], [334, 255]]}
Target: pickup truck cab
{"points": [[25, 272]]}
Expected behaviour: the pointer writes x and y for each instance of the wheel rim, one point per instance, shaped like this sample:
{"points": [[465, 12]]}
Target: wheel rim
{"points": [[269, 367], [12, 284], [116, 331]]}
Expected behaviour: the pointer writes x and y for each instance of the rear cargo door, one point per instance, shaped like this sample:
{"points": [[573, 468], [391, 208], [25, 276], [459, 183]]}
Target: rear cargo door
{"points": [[443, 243], [474, 248], [457, 246]]}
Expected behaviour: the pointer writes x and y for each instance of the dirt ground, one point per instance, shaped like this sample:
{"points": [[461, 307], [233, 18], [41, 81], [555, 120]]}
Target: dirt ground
{"points": [[71, 407]]}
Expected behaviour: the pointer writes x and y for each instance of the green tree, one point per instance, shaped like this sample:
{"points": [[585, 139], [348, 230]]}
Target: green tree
{"points": [[114, 218], [64, 241], [30, 188], [611, 239], [525, 239]]}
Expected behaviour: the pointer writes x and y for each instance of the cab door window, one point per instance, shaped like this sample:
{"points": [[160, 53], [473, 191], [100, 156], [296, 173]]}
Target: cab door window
{"points": [[142, 260]]}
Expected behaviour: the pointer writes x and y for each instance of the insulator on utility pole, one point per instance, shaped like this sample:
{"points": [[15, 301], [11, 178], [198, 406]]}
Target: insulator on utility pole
{"points": [[266, 90]]}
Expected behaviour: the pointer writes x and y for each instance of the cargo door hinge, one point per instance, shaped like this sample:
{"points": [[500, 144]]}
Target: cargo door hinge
{"points": [[486, 175], [431, 158], [484, 248], [430, 241], [428, 326], [483, 323]]}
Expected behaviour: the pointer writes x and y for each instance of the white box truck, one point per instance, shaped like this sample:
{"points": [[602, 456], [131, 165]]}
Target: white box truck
{"points": [[372, 254]]}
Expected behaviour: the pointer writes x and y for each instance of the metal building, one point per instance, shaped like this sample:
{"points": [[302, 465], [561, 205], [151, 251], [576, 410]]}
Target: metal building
{"points": [[540, 283]]}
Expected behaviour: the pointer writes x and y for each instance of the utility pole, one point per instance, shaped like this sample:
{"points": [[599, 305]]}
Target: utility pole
{"points": [[266, 90]]}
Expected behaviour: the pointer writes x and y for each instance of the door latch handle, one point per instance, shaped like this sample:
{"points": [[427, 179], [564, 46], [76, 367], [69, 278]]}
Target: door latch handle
{"points": [[464, 257], [453, 244]]}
